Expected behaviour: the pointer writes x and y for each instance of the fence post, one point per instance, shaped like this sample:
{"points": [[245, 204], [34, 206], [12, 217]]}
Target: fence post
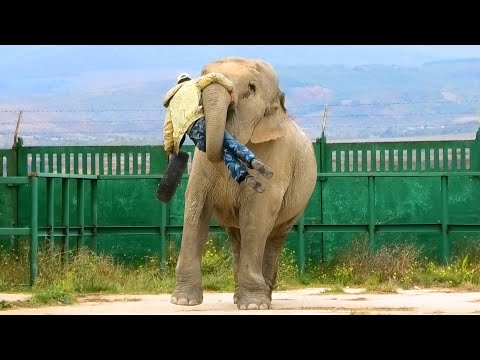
{"points": [[163, 235], [66, 218], [371, 211], [323, 169], [94, 205], [81, 212], [34, 231], [301, 245], [444, 248], [50, 210], [13, 169], [475, 153]]}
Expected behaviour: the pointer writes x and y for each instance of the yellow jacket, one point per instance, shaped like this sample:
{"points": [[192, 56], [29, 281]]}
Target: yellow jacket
{"points": [[183, 107]]}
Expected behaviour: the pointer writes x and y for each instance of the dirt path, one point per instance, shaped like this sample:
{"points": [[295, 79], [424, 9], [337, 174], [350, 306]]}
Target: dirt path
{"points": [[306, 301]]}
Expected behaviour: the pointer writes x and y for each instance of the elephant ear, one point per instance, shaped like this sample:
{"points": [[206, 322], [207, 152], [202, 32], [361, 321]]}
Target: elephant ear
{"points": [[272, 125]]}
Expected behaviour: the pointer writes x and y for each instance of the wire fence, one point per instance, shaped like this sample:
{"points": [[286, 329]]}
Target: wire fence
{"points": [[345, 121]]}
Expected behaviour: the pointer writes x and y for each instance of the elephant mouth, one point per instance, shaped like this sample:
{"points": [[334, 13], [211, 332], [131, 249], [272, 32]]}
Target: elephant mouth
{"points": [[231, 114]]}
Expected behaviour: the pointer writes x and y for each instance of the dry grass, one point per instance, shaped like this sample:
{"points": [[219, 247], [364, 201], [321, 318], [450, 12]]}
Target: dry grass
{"points": [[384, 270]]}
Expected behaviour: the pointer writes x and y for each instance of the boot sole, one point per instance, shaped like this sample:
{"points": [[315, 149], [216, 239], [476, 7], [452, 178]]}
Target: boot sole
{"points": [[257, 186], [262, 169]]}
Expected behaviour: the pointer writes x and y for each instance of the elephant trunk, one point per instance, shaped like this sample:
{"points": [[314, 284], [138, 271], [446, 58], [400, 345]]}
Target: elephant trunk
{"points": [[216, 100]]}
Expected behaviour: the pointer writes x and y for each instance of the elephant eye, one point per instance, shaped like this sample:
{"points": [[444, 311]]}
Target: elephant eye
{"points": [[251, 87], [270, 110], [251, 90]]}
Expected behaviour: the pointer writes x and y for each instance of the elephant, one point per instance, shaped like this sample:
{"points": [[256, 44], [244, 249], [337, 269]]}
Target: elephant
{"points": [[256, 223]]}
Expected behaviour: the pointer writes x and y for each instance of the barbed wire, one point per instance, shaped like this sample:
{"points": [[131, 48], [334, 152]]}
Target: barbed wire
{"points": [[78, 110], [385, 115], [157, 123], [68, 131], [62, 121], [451, 102], [396, 126]]}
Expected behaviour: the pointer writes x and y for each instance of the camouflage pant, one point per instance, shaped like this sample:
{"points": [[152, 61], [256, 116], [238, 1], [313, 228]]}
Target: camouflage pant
{"points": [[237, 157]]}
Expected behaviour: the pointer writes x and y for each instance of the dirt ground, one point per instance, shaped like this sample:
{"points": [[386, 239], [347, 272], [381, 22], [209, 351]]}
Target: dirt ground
{"points": [[299, 302]]}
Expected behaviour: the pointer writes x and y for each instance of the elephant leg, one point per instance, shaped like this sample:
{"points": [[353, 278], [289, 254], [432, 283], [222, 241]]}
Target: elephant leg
{"points": [[234, 237], [188, 289], [273, 248], [256, 223]]}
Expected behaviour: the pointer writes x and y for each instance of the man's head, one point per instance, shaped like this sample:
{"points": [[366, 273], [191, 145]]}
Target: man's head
{"points": [[183, 77]]}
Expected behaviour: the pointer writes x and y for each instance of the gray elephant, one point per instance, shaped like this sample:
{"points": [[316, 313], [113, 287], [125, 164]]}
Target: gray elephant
{"points": [[256, 224]]}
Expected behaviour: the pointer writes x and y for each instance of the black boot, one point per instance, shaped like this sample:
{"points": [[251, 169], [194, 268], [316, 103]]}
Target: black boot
{"points": [[171, 178]]}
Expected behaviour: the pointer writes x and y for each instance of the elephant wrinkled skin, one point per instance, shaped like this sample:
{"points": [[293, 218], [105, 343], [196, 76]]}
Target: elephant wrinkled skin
{"points": [[256, 224]]}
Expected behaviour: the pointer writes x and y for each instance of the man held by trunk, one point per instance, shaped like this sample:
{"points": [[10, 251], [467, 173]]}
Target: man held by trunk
{"points": [[185, 117]]}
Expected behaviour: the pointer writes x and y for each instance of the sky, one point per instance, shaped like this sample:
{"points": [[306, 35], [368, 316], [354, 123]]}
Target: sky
{"points": [[134, 56], [91, 67]]}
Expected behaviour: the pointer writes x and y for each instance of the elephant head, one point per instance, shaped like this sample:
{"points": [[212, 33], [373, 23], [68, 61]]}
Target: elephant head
{"points": [[257, 114]]}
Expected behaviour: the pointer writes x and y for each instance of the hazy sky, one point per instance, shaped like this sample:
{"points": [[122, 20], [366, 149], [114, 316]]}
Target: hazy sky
{"points": [[41, 69], [147, 55]]}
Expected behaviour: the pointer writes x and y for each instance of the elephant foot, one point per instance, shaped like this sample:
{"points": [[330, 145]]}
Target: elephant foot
{"points": [[236, 294], [268, 288], [187, 297], [253, 301], [269, 294]]}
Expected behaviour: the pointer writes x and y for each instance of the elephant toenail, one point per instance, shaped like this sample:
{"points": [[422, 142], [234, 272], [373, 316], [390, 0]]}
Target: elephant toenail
{"points": [[182, 301]]}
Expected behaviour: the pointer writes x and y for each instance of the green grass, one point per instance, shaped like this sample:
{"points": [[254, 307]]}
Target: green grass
{"points": [[385, 270], [217, 267], [334, 290], [4, 305], [52, 295]]}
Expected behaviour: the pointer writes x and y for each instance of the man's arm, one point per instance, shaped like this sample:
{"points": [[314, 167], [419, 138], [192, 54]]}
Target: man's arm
{"points": [[170, 94], [168, 134], [205, 80]]}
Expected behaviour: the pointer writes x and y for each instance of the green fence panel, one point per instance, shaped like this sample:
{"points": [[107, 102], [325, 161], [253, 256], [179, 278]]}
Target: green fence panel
{"points": [[8, 201], [400, 200], [120, 202]]}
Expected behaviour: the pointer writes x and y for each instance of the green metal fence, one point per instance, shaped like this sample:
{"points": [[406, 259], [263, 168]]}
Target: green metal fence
{"points": [[103, 197], [412, 191]]}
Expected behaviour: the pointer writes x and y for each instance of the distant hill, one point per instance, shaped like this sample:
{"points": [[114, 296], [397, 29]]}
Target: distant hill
{"points": [[436, 99]]}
